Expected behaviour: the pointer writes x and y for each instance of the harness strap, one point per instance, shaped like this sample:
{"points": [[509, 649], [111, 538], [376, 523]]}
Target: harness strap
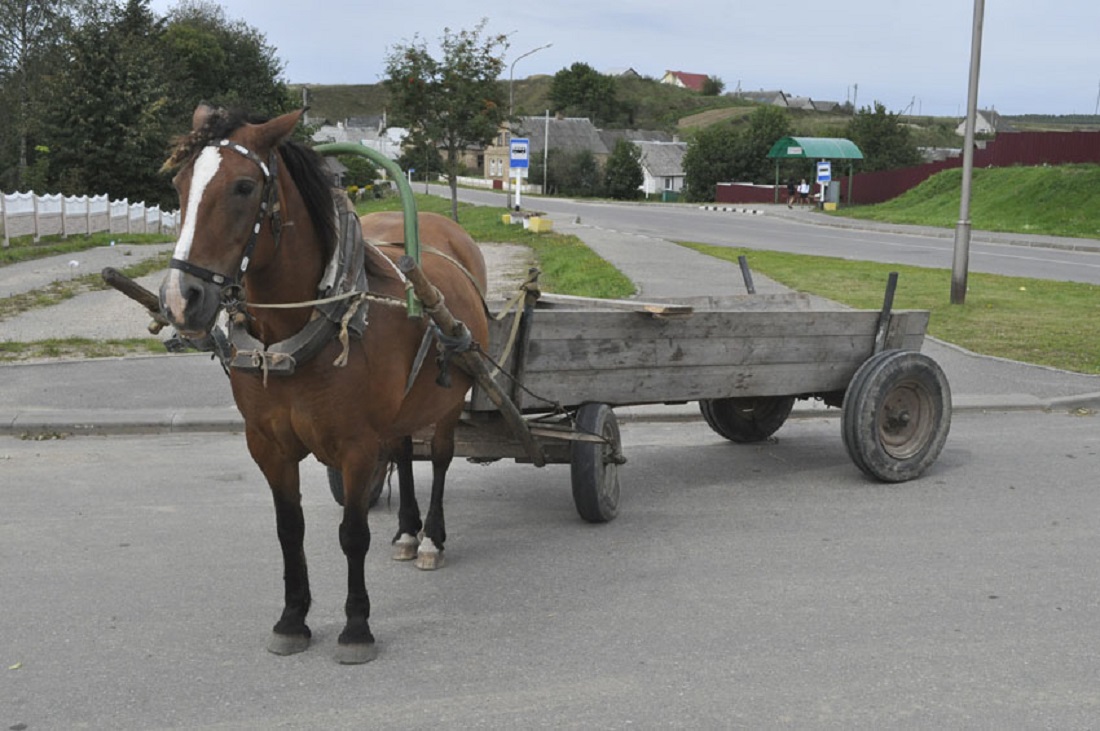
{"points": [[269, 207], [202, 273]]}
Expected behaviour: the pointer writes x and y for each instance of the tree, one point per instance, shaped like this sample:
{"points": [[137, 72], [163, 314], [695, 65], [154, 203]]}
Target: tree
{"points": [[623, 176], [29, 30], [765, 125], [455, 100], [713, 86], [128, 84], [711, 157], [883, 139], [108, 128], [420, 154], [361, 171], [581, 91], [224, 62]]}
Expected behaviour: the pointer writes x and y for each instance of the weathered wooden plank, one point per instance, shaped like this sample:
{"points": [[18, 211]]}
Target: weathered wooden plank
{"points": [[743, 302], [606, 325], [550, 301], [647, 386]]}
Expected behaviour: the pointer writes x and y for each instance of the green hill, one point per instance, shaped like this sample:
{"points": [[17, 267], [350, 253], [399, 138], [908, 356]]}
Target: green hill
{"points": [[1060, 200], [645, 103]]}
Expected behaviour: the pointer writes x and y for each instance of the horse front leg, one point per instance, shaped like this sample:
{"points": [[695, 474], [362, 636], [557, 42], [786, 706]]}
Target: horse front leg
{"points": [[290, 634], [356, 643]]}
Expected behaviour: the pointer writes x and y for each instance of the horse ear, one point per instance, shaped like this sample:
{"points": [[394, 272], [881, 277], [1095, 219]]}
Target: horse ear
{"points": [[201, 114], [278, 130]]}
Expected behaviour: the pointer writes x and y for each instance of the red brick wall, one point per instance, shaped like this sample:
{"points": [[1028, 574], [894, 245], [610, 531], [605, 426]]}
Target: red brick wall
{"points": [[1009, 148]]}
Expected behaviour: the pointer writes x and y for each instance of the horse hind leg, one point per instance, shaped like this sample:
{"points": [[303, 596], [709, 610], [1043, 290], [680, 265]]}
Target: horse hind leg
{"points": [[429, 555], [407, 540]]}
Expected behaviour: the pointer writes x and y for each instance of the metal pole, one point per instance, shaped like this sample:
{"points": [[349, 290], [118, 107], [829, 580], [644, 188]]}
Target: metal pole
{"points": [[512, 68], [961, 262], [545, 152]]}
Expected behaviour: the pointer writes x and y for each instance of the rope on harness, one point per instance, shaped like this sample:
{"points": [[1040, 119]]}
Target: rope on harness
{"points": [[514, 304], [458, 341], [342, 359]]}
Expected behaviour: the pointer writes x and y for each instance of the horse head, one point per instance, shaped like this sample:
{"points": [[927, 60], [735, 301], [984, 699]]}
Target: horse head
{"points": [[227, 190]]}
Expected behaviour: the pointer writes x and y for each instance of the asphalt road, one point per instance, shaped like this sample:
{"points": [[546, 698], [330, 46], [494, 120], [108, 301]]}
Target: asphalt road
{"points": [[806, 232], [767, 586]]}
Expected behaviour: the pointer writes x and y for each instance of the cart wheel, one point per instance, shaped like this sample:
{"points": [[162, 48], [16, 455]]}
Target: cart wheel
{"points": [[746, 419], [336, 486], [594, 466], [896, 415]]}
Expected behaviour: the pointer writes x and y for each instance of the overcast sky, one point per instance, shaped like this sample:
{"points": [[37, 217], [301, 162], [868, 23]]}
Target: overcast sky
{"points": [[1038, 56]]}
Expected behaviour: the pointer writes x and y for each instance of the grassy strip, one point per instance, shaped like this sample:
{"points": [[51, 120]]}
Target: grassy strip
{"points": [[79, 348], [568, 266], [25, 249], [1055, 201], [59, 291], [1030, 320]]}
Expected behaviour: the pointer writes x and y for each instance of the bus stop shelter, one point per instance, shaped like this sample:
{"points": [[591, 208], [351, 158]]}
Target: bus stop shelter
{"points": [[815, 148]]}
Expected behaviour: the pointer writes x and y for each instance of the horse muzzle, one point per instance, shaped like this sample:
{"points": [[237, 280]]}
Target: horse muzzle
{"points": [[189, 303]]}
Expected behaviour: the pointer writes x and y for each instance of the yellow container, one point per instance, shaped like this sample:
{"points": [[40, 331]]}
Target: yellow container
{"points": [[830, 206], [540, 225], [506, 219]]}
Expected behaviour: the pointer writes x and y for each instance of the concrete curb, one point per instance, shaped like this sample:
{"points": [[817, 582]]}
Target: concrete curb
{"points": [[32, 423]]}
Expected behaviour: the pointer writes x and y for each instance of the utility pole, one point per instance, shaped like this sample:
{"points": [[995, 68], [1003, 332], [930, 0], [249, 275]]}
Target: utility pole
{"points": [[961, 263]]}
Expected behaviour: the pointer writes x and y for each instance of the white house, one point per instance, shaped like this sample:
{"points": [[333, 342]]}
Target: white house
{"points": [[662, 167]]}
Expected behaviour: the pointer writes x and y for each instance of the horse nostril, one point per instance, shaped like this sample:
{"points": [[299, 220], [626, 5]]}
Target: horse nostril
{"points": [[193, 298]]}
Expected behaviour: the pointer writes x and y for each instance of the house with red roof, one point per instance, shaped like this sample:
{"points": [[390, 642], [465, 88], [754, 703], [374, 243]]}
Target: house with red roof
{"points": [[684, 80]]}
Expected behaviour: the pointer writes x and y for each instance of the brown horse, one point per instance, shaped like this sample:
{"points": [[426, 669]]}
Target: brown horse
{"points": [[260, 228]]}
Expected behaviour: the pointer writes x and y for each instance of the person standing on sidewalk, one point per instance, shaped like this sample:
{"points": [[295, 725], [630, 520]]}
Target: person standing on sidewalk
{"points": [[791, 192], [803, 193]]}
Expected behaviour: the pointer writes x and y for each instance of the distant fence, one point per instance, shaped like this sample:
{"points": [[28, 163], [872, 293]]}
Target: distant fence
{"points": [[1008, 149], [27, 214]]}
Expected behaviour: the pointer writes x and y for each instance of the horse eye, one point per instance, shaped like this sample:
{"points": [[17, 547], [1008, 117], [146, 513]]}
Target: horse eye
{"points": [[244, 187]]}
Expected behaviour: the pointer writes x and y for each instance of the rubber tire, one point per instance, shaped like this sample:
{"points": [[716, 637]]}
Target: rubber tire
{"points": [[336, 486], [595, 478], [748, 419], [896, 415]]}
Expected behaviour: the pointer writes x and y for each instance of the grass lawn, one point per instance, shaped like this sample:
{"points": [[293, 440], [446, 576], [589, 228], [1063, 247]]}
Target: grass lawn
{"points": [[1029, 320]]}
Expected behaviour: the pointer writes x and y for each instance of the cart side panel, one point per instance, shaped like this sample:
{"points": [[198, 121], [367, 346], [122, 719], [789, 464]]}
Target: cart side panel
{"points": [[623, 358]]}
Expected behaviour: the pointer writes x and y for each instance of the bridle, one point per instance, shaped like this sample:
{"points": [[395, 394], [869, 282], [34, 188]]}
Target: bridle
{"points": [[269, 206]]}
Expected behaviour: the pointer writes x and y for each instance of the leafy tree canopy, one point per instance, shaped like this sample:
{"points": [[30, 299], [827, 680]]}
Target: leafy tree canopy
{"points": [[102, 120], [623, 176], [581, 91], [884, 141], [455, 99]]}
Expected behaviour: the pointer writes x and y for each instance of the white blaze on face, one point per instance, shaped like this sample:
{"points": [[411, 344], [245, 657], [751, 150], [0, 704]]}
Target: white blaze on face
{"points": [[205, 168]]}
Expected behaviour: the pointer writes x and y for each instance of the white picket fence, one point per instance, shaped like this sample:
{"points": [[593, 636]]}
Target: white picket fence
{"points": [[27, 214]]}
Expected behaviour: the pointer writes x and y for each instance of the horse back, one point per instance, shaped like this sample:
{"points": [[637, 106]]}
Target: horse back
{"points": [[437, 232]]}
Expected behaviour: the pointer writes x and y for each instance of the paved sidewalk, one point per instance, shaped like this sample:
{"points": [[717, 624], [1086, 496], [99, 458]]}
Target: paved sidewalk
{"points": [[190, 392]]}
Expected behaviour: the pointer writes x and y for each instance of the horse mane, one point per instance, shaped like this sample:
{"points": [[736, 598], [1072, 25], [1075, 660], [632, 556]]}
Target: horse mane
{"points": [[304, 165]]}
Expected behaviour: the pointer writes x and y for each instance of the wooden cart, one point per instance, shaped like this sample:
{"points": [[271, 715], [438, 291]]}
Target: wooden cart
{"points": [[566, 362]]}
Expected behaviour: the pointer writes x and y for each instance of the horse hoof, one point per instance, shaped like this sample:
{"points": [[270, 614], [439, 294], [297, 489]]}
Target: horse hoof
{"points": [[287, 644], [404, 547], [428, 557], [356, 654]]}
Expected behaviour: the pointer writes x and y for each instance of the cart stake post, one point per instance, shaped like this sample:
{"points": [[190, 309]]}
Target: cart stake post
{"points": [[746, 274], [884, 315]]}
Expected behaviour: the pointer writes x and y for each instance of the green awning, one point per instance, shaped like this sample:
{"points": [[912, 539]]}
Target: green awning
{"points": [[816, 148]]}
